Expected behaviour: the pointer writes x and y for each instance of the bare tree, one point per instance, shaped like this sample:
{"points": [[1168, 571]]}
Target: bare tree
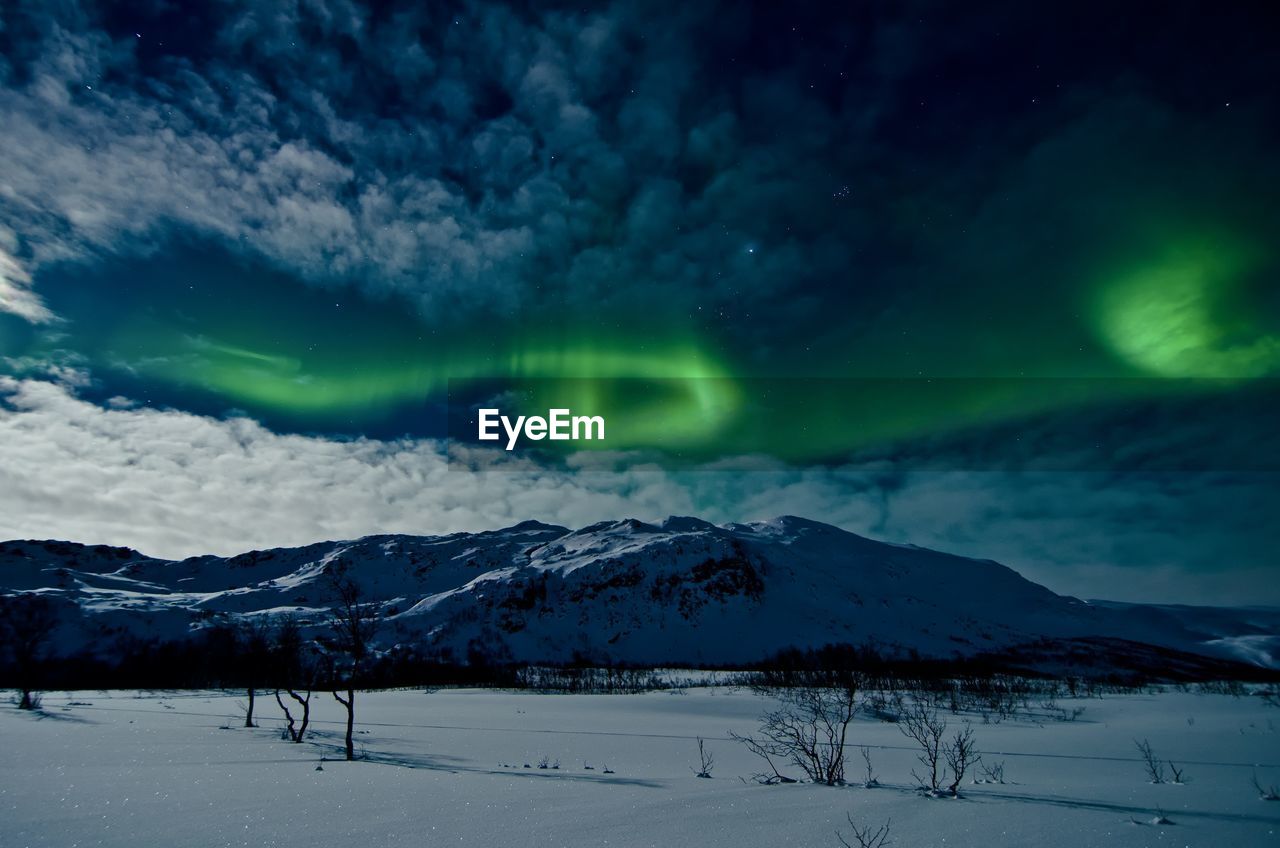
{"points": [[938, 757], [960, 755], [865, 837], [808, 731], [354, 624], [706, 760], [1155, 768], [292, 730], [921, 724], [27, 623], [253, 643], [293, 669]]}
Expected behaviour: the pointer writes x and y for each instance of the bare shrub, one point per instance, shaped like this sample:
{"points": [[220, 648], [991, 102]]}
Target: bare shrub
{"points": [[993, 773], [881, 703], [960, 755], [706, 760], [605, 680], [869, 779], [865, 837], [1155, 768], [1234, 688], [768, 752], [922, 724], [807, 731], [938, 756], [1060, 713]]}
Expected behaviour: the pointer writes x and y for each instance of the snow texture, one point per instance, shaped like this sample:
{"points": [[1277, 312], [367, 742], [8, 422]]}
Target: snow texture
{"points": [[448, 768]]}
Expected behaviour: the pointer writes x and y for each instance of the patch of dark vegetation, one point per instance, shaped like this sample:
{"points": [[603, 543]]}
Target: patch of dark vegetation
{"points": [[1025, 678], [1115, 663]]}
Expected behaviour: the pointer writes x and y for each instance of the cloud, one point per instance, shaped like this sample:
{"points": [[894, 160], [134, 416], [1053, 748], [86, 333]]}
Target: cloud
{"points": [[485, 161], [16, 296], [174, 484]]}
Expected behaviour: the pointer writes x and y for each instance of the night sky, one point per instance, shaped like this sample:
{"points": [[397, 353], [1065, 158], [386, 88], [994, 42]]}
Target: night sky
{"points": [[1002, 281]]}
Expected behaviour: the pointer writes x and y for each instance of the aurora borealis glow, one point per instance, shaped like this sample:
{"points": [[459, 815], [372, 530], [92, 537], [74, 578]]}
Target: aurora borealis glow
{"points": [[816, 236], [1183, 315], [319, 359]]}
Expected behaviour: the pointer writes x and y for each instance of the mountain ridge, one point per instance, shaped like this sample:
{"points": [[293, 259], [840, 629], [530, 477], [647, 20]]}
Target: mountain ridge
{"points": [[681, 590]]}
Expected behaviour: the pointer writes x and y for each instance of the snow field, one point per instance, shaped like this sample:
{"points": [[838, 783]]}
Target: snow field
{"points": [[447, 768]]}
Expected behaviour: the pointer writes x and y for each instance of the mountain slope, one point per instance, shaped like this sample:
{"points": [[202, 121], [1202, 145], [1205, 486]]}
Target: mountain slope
{"points": [[682, 591]]}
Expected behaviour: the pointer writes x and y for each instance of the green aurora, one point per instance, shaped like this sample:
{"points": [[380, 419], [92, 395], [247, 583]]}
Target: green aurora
{"points": [[1183, 315], [320, 359]]}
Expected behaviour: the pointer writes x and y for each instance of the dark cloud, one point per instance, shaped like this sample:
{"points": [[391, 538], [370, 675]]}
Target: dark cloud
{"points": [[492, 157]]}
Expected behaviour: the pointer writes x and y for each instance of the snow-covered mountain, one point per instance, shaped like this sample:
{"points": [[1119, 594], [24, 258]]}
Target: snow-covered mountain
{"points": [[682, 591]]}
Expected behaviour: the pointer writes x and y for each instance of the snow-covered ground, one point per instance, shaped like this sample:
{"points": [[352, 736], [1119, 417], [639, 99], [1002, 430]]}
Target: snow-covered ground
{"points": [[448, 768]]}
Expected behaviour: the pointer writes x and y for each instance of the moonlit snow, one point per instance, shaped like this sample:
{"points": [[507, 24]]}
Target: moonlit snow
{"points": [[449, 768]]}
